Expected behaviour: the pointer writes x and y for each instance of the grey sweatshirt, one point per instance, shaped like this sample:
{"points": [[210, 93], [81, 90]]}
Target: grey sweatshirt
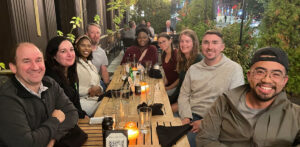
{"points": [[203, 84]]}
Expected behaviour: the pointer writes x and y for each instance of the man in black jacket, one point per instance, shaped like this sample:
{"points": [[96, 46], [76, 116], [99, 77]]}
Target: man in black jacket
{"points": [[168, 29], [34, 109]]}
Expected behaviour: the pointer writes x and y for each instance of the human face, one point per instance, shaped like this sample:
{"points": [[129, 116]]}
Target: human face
{"points": [[84, 48], [148, 24], [94, 33], [65, 55], [266, 79], [212, 46], [186, 45], [168, 24], [29, 67], [143, 39], [164, 43]]}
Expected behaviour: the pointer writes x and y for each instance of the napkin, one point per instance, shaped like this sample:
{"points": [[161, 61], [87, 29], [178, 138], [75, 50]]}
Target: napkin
{"points": [[156, 108], [125, 95], [168, 136], [155, 73]]}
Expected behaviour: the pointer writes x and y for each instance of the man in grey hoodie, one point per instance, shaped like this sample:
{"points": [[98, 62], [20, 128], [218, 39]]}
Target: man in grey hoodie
{"points": [[206, 80]]}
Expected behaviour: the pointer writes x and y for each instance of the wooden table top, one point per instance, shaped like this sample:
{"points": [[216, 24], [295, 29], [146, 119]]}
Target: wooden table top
{"points": [[150, 139]]}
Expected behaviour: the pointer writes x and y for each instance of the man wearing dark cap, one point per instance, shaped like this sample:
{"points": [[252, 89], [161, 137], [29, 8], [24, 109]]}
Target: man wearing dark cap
{"points": [[255, 114]]}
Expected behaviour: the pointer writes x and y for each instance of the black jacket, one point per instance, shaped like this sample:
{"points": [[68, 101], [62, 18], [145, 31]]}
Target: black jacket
{"points": [[26, 119], [165, 29], [70, 90]]}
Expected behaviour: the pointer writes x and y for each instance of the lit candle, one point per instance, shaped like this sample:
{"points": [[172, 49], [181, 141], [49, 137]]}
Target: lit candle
{"points": [[133, 131], [144, 87]]}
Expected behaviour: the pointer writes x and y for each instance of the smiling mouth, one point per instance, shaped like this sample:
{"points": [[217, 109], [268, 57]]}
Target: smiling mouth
{"points": [[266, 89]]}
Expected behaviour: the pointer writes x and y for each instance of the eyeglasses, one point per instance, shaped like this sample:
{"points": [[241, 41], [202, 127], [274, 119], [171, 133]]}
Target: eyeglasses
{"points": [[275, 75], [212, 43]]}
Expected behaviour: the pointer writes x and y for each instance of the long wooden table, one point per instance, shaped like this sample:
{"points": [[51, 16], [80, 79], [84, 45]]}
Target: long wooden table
{"points": [[150, 139]]}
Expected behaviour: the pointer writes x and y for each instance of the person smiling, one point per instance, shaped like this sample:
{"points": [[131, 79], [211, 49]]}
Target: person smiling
{"points": [[258, 113], [61, 66], [206, 80], [169, 62], [187, 55], [34, 108], [89, 79], [142, 50]]}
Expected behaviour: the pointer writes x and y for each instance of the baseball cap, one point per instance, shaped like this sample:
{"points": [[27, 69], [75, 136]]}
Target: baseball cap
{"points": [[271, 54]]}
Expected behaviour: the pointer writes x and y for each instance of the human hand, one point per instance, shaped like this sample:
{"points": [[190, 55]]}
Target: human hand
{"points": [[59, 115], [95, 91], [196, 125], [185, 121], [51, 143]]}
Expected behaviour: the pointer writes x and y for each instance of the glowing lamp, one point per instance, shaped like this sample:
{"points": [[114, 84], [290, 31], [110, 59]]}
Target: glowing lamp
{"points": [[133, 131]]}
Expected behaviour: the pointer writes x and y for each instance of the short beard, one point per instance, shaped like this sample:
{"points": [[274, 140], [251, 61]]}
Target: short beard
{"points": [[259, 98]]}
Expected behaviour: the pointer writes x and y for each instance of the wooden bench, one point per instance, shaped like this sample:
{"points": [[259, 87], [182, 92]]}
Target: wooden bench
{"points": [[94, 133]]}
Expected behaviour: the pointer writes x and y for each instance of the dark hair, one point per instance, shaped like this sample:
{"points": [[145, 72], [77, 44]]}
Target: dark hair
{"points": [[271, 54], [78, 41], [165, 35], [145, 30], [131, 24], [53, 65], [214, 32], [184, 64]]}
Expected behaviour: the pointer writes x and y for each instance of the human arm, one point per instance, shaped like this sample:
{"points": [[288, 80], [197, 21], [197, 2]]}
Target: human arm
{"points": [[127, 55], [184, 106], [66, 106], [151, 55], [173, 85], [95, 90], [210, 126], [237, 77], [104, 74], [51, 143], [18, 123]]}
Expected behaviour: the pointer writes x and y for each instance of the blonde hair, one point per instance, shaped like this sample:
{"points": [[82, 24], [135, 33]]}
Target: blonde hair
{"points": [[183, 63]]}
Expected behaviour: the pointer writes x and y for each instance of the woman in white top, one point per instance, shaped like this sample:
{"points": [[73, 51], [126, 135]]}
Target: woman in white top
{"points": [[89, 79]]}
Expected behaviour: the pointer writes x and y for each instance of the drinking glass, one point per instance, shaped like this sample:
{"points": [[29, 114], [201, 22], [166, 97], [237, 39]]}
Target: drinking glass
{"points": [[145, 114]]}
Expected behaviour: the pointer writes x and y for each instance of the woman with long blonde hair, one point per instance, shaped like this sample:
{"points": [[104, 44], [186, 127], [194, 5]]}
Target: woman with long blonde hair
{"points": [[188, 54]]}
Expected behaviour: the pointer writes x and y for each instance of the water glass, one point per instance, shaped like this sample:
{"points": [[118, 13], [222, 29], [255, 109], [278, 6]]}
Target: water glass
{"points": [[145, 114]]}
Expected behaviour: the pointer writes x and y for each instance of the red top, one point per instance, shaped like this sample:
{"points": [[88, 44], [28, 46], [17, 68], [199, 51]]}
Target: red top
{"points": [[170, 68], [151, 54]]}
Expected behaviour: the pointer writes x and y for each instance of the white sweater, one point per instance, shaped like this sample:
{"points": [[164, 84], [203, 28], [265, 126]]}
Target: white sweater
{"points": [[88, 77]]}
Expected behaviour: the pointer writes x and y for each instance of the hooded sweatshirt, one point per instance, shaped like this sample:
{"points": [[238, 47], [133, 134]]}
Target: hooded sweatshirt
{"points": [[203, 84]]}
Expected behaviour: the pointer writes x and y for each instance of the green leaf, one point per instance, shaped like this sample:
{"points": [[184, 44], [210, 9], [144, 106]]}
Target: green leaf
{"points": [[60, 33], [2, 65]]}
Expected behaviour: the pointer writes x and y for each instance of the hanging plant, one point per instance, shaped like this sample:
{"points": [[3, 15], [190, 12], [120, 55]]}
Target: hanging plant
{"points": [[75, 22]]}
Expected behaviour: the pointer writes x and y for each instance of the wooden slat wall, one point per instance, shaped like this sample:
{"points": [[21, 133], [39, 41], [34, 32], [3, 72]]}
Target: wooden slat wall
{"points": [[50, 18], [19, 20]]}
